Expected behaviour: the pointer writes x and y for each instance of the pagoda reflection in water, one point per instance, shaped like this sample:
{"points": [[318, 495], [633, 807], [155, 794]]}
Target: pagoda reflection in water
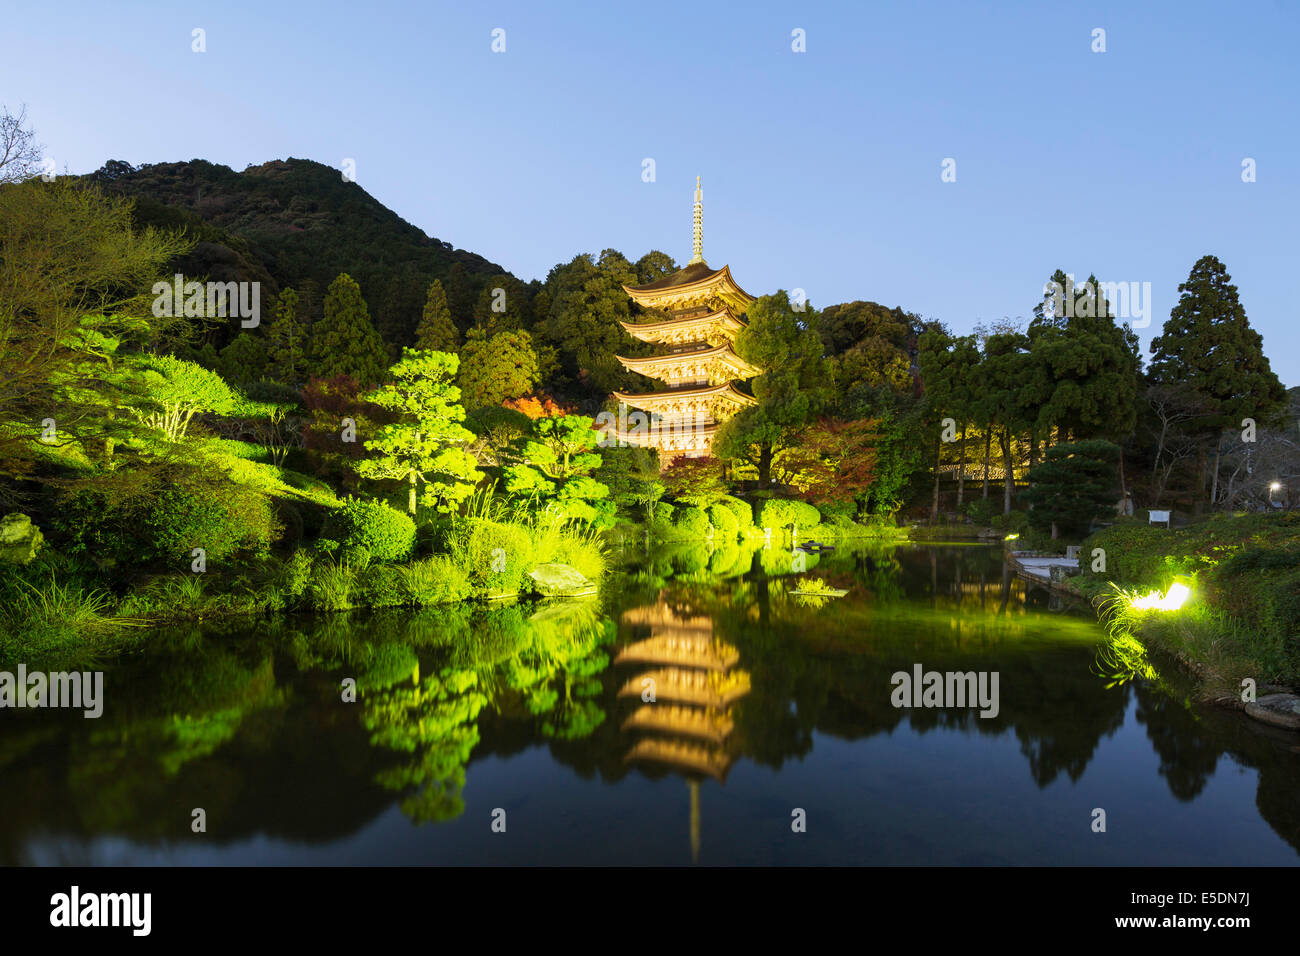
{"points": [[686, 691]]}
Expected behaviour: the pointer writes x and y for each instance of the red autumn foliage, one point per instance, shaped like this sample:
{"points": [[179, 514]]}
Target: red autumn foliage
{"points": [[538, 406]]}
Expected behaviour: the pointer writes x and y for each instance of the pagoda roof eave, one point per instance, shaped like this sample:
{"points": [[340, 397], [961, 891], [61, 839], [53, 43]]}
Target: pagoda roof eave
{"points": [[719, 316], [746, 370], [699, 281], [726, 388]]}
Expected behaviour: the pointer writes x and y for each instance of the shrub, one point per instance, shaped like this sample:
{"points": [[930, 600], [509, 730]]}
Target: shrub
{"points": [[386, 533], [164, 522], [333, 583], [979, 510], [742, 510], [661, 526], [382, 586], [778, 514], [492, 555], [295, 574], [838, 512], [691, 522], [583, 552], [1013, 522], [725, 523]]}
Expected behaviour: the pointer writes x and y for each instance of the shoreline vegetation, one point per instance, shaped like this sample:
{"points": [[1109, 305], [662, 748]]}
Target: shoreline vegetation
{"points": [[371, 556], [1242, 610]]}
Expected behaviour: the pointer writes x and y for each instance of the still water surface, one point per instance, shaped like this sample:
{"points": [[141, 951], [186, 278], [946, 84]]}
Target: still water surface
{"points": [[765, 703]]}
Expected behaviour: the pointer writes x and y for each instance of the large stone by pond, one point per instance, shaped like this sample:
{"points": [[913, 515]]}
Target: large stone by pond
{"points": [[19, 539], [559, 579], [1280, 710]]}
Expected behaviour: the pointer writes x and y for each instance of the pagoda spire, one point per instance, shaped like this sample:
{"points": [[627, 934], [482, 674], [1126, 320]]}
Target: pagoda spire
{"points": [[697, 244]]}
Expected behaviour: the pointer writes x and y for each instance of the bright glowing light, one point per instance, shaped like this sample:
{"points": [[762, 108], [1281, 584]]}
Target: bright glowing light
{"points": [[1011, 537], [1275, 486], [1173, 599]]}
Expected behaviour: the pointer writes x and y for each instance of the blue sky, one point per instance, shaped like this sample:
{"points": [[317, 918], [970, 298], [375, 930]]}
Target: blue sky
{"points": [[821, 169]]}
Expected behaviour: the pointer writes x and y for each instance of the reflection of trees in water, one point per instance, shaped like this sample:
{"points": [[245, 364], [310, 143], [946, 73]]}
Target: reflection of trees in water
{"points": [[544, 664], [830, 669], [1188, 755], [248, 723]]}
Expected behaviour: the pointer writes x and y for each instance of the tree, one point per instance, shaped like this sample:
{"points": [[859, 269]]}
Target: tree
{"points": [[837, 460], [170, 392], [654, 265], [73, 273], [400, 308], [587, 302], [20, 157], [244, 359], [428, 444], [695, 481], [496, 369], [555, 467], [287, 347], [1008, 404], [1091, 363], [1208, 349], [504, 304], [436, 330], [949, 376], [1076, 484], [852, 323], [791, 390], [344, 342]]}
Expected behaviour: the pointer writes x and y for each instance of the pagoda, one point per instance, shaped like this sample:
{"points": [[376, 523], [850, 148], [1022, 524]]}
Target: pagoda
{"points": [[700, 368]]}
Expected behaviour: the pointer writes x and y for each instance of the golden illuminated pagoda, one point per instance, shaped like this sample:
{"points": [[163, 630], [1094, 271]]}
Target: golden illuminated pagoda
{"points": [[700, 368]]}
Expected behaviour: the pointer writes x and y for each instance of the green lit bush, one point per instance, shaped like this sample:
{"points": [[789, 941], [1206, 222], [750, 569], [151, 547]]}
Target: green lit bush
{"points": [[163, 523], [837, 512], [691, 523], [725, 523], [435, 580], [778, 513], [742, 510], [386, 533]]}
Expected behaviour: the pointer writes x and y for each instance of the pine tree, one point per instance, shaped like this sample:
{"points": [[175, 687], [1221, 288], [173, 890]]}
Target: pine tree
{"points": [[1075, 485], [427, 445], [244, 359], [1208, 347], [436, 330], [344, 342], [1208, 353], [287, 346], [1090, 362]]}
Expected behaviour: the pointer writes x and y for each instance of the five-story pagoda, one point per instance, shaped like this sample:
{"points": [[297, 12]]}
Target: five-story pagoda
{"points": [[700, 368]]}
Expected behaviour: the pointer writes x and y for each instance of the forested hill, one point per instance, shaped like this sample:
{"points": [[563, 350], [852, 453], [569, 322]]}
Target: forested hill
{"points": [[285, 222]]}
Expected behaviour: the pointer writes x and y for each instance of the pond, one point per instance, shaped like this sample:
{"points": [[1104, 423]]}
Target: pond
{"points": [[698, 711]]}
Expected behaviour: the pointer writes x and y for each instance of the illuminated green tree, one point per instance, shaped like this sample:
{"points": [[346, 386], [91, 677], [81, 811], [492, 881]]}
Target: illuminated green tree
{"points": [[792, 389], [555, 468], [428, 444]]}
